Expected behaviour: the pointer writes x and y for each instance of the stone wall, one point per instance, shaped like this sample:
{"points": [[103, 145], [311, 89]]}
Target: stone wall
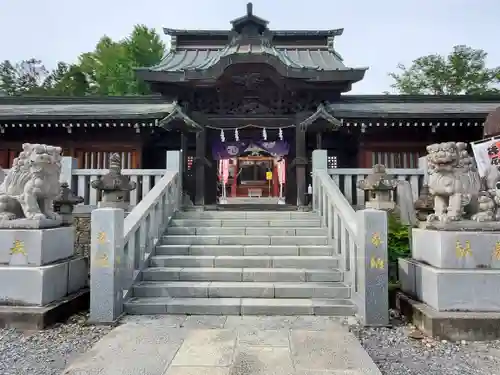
{"points": [[81, 221]]}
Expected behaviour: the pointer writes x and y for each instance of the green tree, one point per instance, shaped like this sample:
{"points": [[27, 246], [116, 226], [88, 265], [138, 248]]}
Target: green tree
{"points": [[24, 78], [30, 77], [109, 69], [463, 71], [66, 80]]}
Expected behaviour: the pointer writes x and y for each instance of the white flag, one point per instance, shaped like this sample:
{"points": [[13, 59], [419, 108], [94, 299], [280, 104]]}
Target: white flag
{"points": [[486, 153]]}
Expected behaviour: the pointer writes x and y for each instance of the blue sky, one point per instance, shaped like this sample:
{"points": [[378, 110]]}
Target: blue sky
{"points": [[378, 34]]}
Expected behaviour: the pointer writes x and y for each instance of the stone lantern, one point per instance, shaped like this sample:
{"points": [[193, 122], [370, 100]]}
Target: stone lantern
{"points": [[114, 186], [380, 187], [65, 202], [424, 205]]}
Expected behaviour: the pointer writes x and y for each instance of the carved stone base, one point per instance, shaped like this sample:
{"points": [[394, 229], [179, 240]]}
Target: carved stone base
{"points": [[36, 247], [123, 205], [39, 286], [465, 225], [380, 205], [451, 289], [29, 223], [456, 250]]}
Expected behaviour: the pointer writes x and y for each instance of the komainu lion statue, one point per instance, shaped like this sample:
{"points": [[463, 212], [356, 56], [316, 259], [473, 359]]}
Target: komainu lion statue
{"points": [[453, 181], [30, 186]]}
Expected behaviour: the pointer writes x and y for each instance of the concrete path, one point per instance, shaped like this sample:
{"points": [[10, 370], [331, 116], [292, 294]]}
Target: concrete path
{"points": [[234, 345]]}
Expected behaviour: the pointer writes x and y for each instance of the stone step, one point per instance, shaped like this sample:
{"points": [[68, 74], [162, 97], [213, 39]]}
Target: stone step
{"points": [[240, 274], [249, 223], [240, 306], [247, 250], [228, 289], [242, 240], [240, 261], [246, 231], [255, 215]]}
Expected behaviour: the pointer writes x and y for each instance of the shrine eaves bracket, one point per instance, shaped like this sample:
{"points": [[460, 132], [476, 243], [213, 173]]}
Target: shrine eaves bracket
{"points": [[178, 114], [321, 113]]}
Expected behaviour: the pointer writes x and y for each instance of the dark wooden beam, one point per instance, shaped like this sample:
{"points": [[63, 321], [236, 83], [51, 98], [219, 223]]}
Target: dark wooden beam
{"points": [[199, 164], [300, 168]]}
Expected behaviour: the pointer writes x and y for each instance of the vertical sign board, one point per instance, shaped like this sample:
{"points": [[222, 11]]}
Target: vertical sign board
{"points": [[486, 153]]}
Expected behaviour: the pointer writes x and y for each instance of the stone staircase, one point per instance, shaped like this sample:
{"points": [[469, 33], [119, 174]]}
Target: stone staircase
{"points": [[243, 263]]}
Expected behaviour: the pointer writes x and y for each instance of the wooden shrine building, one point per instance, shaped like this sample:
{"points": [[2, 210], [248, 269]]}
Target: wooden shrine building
{"points": [[252, 95]]}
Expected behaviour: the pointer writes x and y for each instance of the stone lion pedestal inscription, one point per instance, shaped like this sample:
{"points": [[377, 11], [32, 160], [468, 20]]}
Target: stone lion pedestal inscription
{"points": [[37, 263], [455, 263]]}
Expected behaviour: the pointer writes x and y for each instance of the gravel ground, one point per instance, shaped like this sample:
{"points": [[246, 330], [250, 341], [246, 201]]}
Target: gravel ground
{"points": [[401, 350], [46, 352]]}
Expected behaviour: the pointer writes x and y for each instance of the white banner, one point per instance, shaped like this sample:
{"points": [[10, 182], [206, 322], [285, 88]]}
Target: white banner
{"points": [[486, 153]]}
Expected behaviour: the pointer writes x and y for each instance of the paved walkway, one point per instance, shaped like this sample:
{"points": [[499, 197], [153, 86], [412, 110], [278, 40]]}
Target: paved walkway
{"points": [[234, 345]]}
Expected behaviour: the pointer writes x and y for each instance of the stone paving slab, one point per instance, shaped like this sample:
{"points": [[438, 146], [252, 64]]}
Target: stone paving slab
{"points": [[220, 345]]}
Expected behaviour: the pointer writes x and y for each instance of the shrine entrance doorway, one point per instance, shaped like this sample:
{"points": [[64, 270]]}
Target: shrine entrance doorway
{"points": [[254, 177], [253, 172]]}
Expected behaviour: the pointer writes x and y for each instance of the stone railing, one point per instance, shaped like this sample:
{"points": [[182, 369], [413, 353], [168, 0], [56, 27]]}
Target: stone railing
{"points": [[347, 180], [359, 239], [80, 180], [121, 247], [145, 180]]}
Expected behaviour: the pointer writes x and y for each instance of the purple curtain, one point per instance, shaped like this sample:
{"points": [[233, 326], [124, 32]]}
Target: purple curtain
{"points": [[227, 150]]}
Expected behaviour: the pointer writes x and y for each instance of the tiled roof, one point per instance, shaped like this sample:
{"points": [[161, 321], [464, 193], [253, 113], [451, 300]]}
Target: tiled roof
{"points": [[379, 109], [300, 58], [349, 106], [226, 33], [77, 111]]}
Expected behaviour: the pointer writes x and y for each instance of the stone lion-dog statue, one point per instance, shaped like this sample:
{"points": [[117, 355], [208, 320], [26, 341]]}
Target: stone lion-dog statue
{"points": [[453, 181], [31, 185]]}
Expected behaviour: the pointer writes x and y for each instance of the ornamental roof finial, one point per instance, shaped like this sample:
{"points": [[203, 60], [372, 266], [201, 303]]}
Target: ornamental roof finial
{"points": [[249, 9]]}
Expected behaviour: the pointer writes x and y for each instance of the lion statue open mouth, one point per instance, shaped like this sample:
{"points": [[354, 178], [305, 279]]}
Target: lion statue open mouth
{"points": [[453, 181], [31, 185]]}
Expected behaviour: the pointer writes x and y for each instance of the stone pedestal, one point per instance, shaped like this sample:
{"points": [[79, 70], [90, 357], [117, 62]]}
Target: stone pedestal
{"points": [[456, 249], [451, 289], [381, 200], [35, 247], [453, 270], [37, 266], [39, 286]]}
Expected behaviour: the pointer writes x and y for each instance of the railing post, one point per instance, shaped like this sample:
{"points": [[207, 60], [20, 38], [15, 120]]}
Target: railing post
{"points": [[175, 164], [372, 268], [106, 256], [319, 162], [422, 165], [67, 165]]}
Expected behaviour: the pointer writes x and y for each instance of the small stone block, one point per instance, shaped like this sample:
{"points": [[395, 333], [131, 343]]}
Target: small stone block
{"points": [[241, 290], [33, 286], [210, 348], [78, 274], [263, 306], [262, 360], [36, 247], [451, 290], [30, 223], [194, 370], [456, 249], [204, 306]]}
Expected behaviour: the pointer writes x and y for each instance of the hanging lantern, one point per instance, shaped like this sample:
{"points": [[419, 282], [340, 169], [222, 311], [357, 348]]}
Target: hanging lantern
{"points": [[222, 137], [236, 135], [280, 134], [264, 134]]}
